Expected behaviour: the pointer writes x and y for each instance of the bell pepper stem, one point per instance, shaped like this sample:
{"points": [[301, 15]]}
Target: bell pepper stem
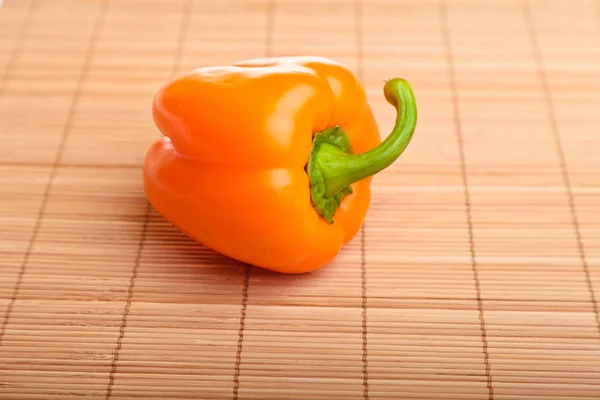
{"points": [[333, 167], [341, 169]]}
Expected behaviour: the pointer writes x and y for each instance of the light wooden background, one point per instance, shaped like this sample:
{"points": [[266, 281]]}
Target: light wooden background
{"points": [[476, 275]]}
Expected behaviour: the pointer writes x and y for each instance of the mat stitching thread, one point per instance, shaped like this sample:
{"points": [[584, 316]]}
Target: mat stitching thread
{"points": [[561, 155], [363, 267], [458, 128], [14, 54], [269, 28], [183, 30], [240, 346], [59, 152], [134, 274], [363, 238]]}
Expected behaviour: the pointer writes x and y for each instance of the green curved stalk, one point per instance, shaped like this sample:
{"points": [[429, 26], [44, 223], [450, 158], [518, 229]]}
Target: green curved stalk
{"points": [[332, 166]]}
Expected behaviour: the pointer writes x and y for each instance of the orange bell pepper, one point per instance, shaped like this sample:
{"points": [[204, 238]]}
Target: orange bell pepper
{"points": [[269, 161]]}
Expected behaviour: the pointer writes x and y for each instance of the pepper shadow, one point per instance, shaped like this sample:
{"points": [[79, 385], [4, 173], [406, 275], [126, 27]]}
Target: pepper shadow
{"points": [[172, 267]]}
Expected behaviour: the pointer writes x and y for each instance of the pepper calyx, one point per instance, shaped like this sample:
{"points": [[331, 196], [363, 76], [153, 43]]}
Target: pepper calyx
{"points": [[335, 138]]}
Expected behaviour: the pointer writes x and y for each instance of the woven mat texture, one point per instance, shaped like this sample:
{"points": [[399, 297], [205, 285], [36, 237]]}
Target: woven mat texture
{"points": [[476, 274]]}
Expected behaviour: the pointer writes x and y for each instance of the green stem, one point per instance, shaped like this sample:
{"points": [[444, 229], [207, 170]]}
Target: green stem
{"points": [[332, 167]]}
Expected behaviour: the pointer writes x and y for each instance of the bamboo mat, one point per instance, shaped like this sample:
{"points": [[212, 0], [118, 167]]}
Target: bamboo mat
{"points": [[476, 274]]}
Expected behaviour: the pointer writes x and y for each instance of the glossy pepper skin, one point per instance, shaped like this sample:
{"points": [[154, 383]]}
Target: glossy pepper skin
{"points": [[269, 161]]}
